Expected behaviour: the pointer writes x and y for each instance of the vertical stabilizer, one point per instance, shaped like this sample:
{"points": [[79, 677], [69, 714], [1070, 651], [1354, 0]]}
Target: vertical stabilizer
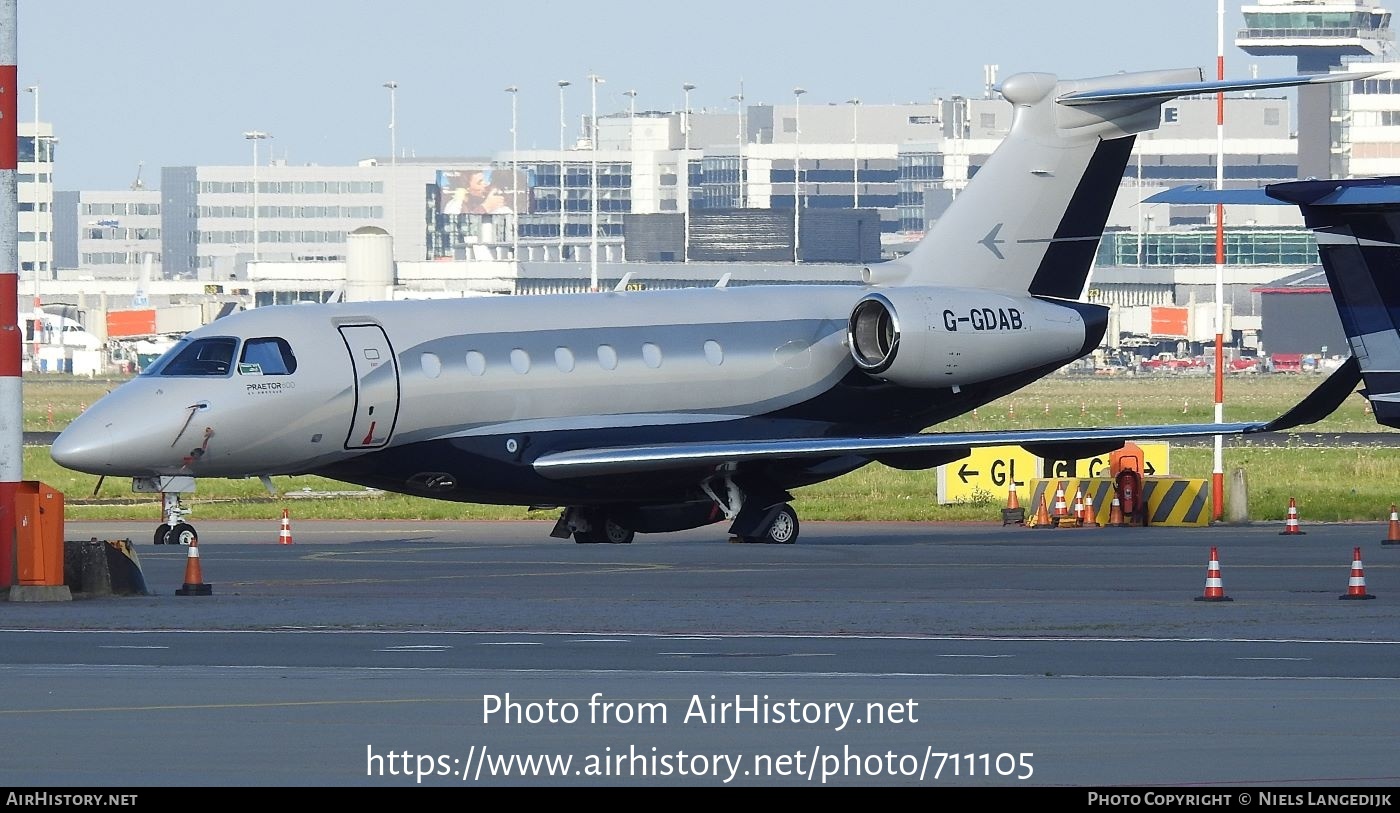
{"points": [[1032, 217], [1357, 224]]}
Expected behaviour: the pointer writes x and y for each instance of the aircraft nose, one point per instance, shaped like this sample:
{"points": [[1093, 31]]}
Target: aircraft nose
{"points": [[86, 446]]}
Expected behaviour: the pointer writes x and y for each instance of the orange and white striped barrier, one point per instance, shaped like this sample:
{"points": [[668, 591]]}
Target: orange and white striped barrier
{"points": [[1356, 585], [1215, 586]]}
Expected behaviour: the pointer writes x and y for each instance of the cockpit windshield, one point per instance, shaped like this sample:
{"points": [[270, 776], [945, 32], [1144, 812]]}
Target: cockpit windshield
{"points": [[209, 357], [267, 356]]}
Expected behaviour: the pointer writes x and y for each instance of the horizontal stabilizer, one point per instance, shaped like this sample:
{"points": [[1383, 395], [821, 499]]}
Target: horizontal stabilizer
{"points": [[1164, 92], [1352, 192], [1199, 194]]}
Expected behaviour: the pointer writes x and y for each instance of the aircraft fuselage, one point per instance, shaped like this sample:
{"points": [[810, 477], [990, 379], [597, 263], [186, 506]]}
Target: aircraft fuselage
{"points": [[455, 398]]}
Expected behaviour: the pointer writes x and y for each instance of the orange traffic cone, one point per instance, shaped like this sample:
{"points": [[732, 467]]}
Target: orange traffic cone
{"points": [[284, 536], [194, 579], [1013, 513], [1215, 588], [1115, 514], [1393, 538], [1290, 526], [1061, 510], [1042, 515], [1356, 585], [1088, 518]]}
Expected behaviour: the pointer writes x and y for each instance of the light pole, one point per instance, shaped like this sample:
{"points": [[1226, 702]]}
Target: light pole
{"points": [[1218, 472], [34, 351], [255, 136], [631, 118], [685, 169], [514, 180], [38, 255], [594, 80], [563, 83], [393, 160], [855, 154], [740, 99], [797, 175]]}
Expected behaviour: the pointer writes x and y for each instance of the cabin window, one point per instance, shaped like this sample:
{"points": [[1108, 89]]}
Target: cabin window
{"points": [[476, 362], [267, 356], [714, 354], [564, 359], [607, 357], [520, 361], [211, 357], [432, 364], [651, 355]]}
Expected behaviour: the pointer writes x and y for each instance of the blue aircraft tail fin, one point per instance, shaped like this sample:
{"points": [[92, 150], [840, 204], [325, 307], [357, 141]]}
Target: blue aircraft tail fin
{"points": [[1357, 224]]}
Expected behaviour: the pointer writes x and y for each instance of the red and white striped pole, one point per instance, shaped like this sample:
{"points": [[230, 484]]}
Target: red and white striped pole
{"points": [[11, 339], [1217, 484]]}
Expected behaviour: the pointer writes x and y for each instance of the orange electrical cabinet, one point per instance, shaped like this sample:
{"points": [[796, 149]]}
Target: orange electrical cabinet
{"points": [[39, 534]]}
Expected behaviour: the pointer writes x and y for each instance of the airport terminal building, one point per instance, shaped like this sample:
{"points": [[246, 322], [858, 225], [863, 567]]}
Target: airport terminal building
{"points": [[764, 192]]}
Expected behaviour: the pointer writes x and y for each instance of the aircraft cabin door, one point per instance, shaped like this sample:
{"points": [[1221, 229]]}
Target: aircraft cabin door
{"points": [[376, 386]]}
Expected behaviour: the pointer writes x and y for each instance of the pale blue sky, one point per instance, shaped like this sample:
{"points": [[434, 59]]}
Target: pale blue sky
{"points": [[171, 82]]}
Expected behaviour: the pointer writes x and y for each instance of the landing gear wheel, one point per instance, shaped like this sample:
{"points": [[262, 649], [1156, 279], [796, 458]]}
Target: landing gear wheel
{"points": [[162, 531], [783, 529], [604, 531], [182, 534], [615, 534]]}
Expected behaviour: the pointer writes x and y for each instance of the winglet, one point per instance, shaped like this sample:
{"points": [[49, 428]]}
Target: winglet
{"points": [[622, 283], [1322, 401]]}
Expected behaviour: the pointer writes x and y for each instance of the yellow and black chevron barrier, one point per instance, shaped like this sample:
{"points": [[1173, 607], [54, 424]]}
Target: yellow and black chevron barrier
{"points": [[1172, 501]]}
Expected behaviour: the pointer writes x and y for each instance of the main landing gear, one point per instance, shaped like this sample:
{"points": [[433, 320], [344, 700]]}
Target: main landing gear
{"points": [[591, 526], [764, 518]]}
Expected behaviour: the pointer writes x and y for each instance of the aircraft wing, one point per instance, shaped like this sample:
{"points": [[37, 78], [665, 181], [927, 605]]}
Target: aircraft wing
{"points": [[1048, 442]]}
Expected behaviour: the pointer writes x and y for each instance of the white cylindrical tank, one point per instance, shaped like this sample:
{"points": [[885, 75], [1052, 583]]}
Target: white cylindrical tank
{"points": [[369, 264]]}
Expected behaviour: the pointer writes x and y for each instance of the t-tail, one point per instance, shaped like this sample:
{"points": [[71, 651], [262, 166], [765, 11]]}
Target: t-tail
{"points": [[1357, 224], [1031, 219]]}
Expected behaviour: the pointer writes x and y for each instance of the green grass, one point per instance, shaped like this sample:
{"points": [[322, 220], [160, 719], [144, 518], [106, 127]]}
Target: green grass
{"points": [[1336, 483]]}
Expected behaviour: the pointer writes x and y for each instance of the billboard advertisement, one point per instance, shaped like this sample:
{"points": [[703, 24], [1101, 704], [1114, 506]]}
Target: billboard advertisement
{"points": [[485, 191]]}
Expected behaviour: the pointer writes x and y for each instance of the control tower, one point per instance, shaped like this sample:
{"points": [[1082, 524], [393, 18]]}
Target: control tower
{"points": [[1319, 33]]}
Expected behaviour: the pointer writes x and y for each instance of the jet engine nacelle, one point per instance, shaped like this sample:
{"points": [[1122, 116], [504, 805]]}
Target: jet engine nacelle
{"points": [[940, 337]]}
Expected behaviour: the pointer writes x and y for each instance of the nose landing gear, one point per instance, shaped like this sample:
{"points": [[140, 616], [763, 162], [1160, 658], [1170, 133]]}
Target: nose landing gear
{"points": [[173, 530]]}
